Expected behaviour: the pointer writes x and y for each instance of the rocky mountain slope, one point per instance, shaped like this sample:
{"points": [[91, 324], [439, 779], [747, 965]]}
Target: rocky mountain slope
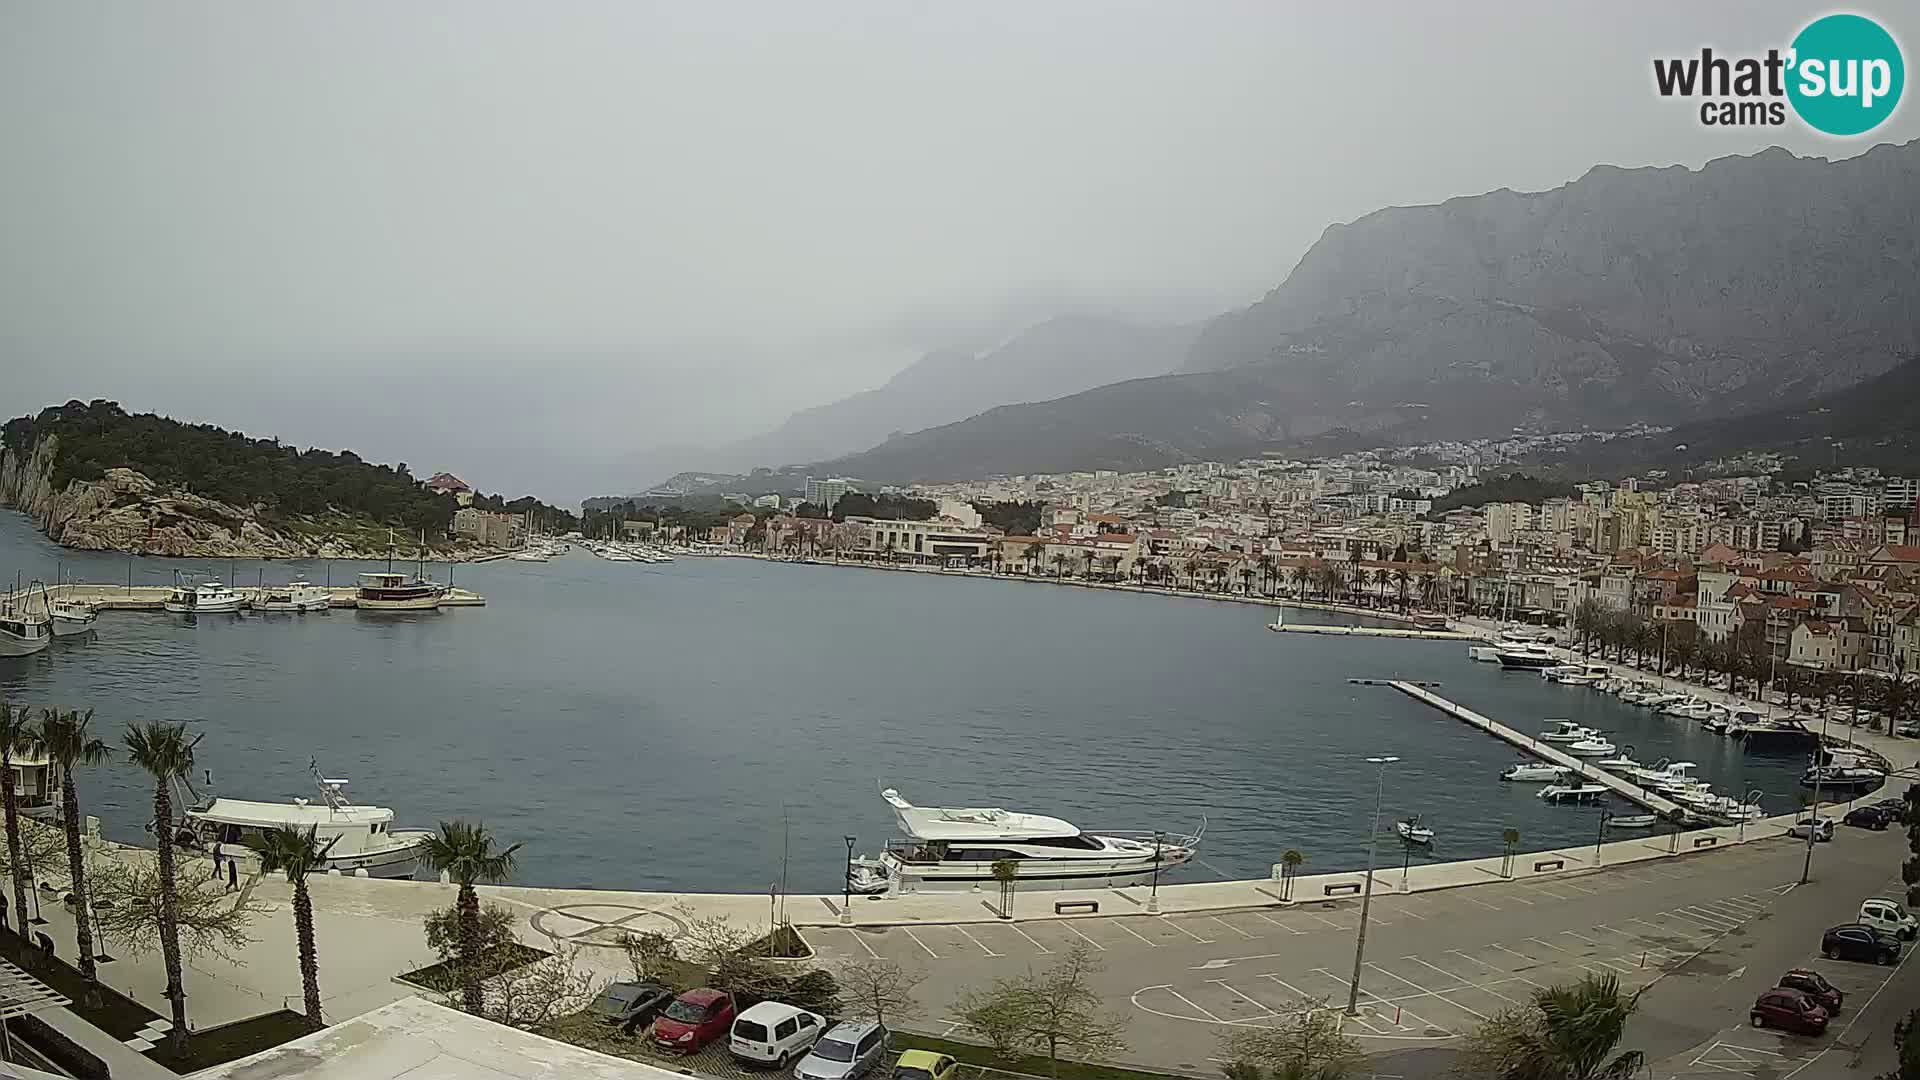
{"points": [[1662, 295], [1060, 356]]}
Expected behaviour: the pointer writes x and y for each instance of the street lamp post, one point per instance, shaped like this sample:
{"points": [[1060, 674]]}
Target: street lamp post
{"points": [[846, 888], [1153, 895], [1601, 836], [1813, 811], [1366, 896]]}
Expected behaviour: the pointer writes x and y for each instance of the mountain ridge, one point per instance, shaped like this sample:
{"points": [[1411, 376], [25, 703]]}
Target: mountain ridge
{"points": [[1663, 294]]}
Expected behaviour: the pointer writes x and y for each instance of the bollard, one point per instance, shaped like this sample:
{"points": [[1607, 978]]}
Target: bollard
{"points": [[361, 872], [333, 871], [447, 879]]}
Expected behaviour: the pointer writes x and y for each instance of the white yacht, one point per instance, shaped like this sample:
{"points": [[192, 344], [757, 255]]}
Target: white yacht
{"points": [[1621, 762], [294, 596], [1583, 675], [1529, 657], [23, 634], [1536, 771], [1558, 672], [1566, 731], [1572, 792], [1488, 652], [1690, 709], [1659, 701], [363, 837], [205, 598], [955, 849]]}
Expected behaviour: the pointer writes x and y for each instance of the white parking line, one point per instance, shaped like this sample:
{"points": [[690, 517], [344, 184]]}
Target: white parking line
{"points": [[1175, 923], [916, 940], [1410, 914], [1482, 903], [1579, 936], [1189, 1003], [1579, 888], [1070, 929], [1278, 923], [1329, 922], [862, 939], [1306, 997], [1030, 939], [1464, 956], [1548, 944], [1424, 992], [1230, 926], [1232, 989], [1378, 1000], [1464, 983], [1550, 892], [1521, 955], [976, 941], [1123, 926]]}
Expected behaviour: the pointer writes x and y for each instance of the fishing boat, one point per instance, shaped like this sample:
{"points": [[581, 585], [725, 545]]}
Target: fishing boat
{"points": [[71, 618], [1560, 793], [1565, 731], [294, 596], [206, 598], [1412, 831], [24, 633], [359, 837], [1535, 771], [1845, 770], [1594, 746], [397, 592], [949, 849]]}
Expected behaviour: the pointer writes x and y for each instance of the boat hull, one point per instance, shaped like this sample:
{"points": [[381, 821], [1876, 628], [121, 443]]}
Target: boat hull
{"points": [[18, 646], [411, 603], [72, 626], [218, 607], [1033, 875]]}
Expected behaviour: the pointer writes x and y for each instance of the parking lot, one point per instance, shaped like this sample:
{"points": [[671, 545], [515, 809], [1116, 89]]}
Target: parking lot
{"points": [[1436, 965]]}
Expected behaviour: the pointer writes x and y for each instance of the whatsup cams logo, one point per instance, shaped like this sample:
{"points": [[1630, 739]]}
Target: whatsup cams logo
{"points": [[1842, 75]]}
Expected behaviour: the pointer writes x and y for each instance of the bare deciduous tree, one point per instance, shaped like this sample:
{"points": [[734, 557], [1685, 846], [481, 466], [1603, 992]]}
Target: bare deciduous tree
{"points": [[880, 990], [1305, 1040], [1048, 1012], [126, 893], [534, 994]]}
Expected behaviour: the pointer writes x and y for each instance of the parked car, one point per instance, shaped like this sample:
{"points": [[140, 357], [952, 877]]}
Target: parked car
{"points": [[1910, 729], [1867, 817], [1822, 828], [774, 1033], [1814, 985], [846, 1052], [630, 1003], [1854, 941], [1890, 917], [925, 1065], [1789, 1010], [695, 1019], [1895, 808]]}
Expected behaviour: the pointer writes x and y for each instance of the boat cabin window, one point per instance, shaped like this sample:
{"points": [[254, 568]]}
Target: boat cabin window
{"points": [[980, 855], [1076, 843]]}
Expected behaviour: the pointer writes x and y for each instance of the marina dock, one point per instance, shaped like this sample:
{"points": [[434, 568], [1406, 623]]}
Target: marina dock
{"points": [[151, 597], [1369, 631], [1544, 751]]}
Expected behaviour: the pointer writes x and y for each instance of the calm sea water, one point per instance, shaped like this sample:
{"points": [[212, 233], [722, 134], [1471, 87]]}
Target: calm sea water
{"points": [[694, 725]]}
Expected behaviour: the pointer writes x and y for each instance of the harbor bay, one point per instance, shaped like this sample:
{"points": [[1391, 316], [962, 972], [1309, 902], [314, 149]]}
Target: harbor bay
{"points": [[720, 724]]}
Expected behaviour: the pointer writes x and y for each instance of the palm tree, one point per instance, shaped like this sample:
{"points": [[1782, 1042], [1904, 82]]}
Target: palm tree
{"points": [[166, 753], [1296, 576], [465, 853], [1290, 861], [1570, 1033], [70, 745], [1266, 574], [1382, 577], [16, 737], [1060, 564], [298, 854], [1400, 580]]}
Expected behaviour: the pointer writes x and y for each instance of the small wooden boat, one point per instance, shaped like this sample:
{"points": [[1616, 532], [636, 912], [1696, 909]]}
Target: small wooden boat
{"points": [[1412, 831]]}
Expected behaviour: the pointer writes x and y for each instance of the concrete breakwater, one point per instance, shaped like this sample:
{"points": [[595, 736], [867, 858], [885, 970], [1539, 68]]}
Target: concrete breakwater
{"points": [[1370, 631], [152, 597]]}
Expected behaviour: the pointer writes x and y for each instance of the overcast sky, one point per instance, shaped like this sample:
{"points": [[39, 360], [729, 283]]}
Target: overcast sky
{"points": [[539, 243]]}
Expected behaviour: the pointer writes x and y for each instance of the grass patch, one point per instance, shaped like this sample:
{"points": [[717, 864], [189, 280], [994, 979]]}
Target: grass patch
{"points": [[443, 977], [229, 1042], [987, 1058]]}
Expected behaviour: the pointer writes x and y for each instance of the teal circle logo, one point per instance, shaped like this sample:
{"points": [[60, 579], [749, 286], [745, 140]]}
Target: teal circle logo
{"points": [[1846, 76]]}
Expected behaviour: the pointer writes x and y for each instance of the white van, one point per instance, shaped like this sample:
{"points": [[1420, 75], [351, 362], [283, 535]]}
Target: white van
{"points": [[1889, 917], [774, 1034]]}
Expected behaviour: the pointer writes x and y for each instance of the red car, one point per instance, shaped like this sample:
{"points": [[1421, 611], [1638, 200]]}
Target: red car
{"points": [[1789, 1010], [1815, 986], [695, 1019]]}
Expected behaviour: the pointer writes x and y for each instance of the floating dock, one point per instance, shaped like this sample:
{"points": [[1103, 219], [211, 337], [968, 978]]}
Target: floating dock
{"points": [[152, 597], [1369, 631], [1544, 751]]}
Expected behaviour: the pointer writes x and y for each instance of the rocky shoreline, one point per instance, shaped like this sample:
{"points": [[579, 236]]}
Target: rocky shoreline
{"points": [[125, 511]]}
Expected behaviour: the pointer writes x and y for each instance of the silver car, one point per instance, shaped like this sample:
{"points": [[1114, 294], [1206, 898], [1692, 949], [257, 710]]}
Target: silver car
{"points": [[848, 1051]]}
